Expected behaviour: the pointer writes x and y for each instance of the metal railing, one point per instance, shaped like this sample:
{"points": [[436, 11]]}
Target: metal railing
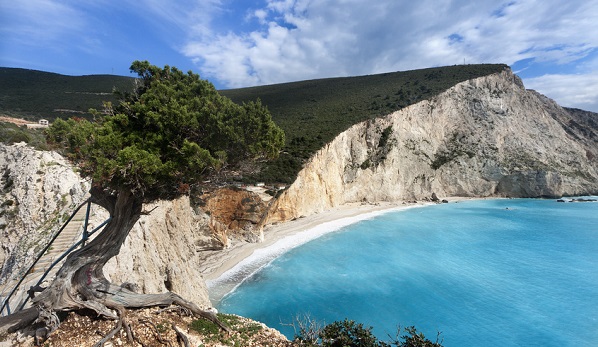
{"points": [[5, 309]]}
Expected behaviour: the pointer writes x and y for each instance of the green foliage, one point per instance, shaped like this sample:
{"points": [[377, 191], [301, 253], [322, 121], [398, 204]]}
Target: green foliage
{"points": [[412, 338], [173, 130], [34, 94], [212, 333], [385, 136], [366, 164], [348, 334], [206, 328], [12, 133]]}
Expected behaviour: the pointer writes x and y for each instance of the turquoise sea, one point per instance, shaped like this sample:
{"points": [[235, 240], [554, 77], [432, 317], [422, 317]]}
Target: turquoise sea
{"points": [[503, 272]]}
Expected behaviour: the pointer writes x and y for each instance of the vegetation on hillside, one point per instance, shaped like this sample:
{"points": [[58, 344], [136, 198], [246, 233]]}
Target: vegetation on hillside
{"points": [[11, 133], [313, 112], [32, 94], [345, 333]]}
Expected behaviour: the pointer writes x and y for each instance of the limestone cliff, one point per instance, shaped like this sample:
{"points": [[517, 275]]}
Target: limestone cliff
{"points": [[38, 190], [483, 137], [234, 213], [162, 252]]}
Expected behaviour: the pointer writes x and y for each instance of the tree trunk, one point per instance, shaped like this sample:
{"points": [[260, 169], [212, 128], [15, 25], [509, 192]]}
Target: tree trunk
{"points": [[80, 283]]}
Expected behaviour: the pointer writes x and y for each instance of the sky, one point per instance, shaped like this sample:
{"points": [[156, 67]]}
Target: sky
{"points": [[551, 44]]}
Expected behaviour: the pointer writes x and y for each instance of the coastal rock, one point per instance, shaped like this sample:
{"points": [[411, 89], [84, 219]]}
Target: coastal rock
{"points": [[38, 191], [161, 252], [484, 137], [235, 212]]}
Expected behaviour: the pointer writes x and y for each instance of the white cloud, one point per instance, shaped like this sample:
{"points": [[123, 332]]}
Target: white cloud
{"points": [[300, 39], [187, 15], [578, 90], [261, 15]]}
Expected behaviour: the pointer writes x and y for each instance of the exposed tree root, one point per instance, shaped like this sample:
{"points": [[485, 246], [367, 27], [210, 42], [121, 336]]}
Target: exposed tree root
{"points": [[180, 336], [112, 305], [117, 328], [126, 298], [18, 320]]}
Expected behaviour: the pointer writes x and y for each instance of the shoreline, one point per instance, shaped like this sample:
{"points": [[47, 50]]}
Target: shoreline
{"points": [[224, 270]]}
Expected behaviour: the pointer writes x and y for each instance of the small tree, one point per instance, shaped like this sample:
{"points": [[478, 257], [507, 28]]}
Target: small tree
{"points": [[348, 334], [412, 338], [172, 131]]}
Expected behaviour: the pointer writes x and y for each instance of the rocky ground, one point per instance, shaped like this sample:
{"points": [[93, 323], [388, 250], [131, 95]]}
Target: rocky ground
{"points": [[155, 327]]}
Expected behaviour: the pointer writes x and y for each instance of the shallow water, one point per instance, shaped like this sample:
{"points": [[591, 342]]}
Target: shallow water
{"points": [[508, 272]]}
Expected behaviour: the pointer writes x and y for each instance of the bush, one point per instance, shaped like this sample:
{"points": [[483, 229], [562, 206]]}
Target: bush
{"points": [[348, 333], [414, 339]]}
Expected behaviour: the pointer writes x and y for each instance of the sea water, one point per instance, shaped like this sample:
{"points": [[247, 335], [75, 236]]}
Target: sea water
{"points": [[504, 272]]}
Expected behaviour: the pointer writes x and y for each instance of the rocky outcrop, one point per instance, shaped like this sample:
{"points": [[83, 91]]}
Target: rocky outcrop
{"points": [[38, 191], [235, 213], [483, 137], [162, 252]]}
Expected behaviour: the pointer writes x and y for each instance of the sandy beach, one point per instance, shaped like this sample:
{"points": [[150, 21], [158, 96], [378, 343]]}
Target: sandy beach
{"points": [[225, 269]]}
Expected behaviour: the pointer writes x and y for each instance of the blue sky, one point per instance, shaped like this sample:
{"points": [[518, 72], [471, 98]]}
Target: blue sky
{"points": [[552, 45]]}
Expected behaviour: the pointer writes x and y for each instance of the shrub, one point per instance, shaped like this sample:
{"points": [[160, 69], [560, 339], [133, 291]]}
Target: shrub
{"points": [[348, 334], [412, 338], [385, 136]]}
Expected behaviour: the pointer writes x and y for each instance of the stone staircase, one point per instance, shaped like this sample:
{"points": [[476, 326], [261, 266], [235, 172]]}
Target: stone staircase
{"points": [[67, 238]]}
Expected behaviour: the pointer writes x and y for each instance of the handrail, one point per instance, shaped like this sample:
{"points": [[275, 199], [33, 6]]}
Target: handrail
{"points": [[85, 236], [59, 259]]}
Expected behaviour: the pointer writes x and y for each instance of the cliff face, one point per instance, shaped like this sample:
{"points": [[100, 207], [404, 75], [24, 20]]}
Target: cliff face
{"points": [[236, 213], [162, 252], [38, 190], [484, 137]]}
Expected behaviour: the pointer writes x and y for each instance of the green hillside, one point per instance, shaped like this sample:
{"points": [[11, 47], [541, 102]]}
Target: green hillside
{"points": [[313, 112], [310, 112], [32, 94]]}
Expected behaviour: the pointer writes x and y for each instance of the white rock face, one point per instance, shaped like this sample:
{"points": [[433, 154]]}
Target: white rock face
{"points": [[161, 252], [38, 190], [483, 137]]}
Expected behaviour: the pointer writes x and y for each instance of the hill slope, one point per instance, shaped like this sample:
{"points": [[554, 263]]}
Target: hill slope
{"points": [[32, 94], [484, 137], [311, 112]]}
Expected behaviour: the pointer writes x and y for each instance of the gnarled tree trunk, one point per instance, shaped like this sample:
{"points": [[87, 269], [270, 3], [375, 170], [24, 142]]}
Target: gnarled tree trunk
{"points": [[80, 283]]}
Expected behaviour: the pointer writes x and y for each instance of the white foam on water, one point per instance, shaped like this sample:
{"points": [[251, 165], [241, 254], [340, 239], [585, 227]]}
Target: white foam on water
{"points": [[260, 258]]}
